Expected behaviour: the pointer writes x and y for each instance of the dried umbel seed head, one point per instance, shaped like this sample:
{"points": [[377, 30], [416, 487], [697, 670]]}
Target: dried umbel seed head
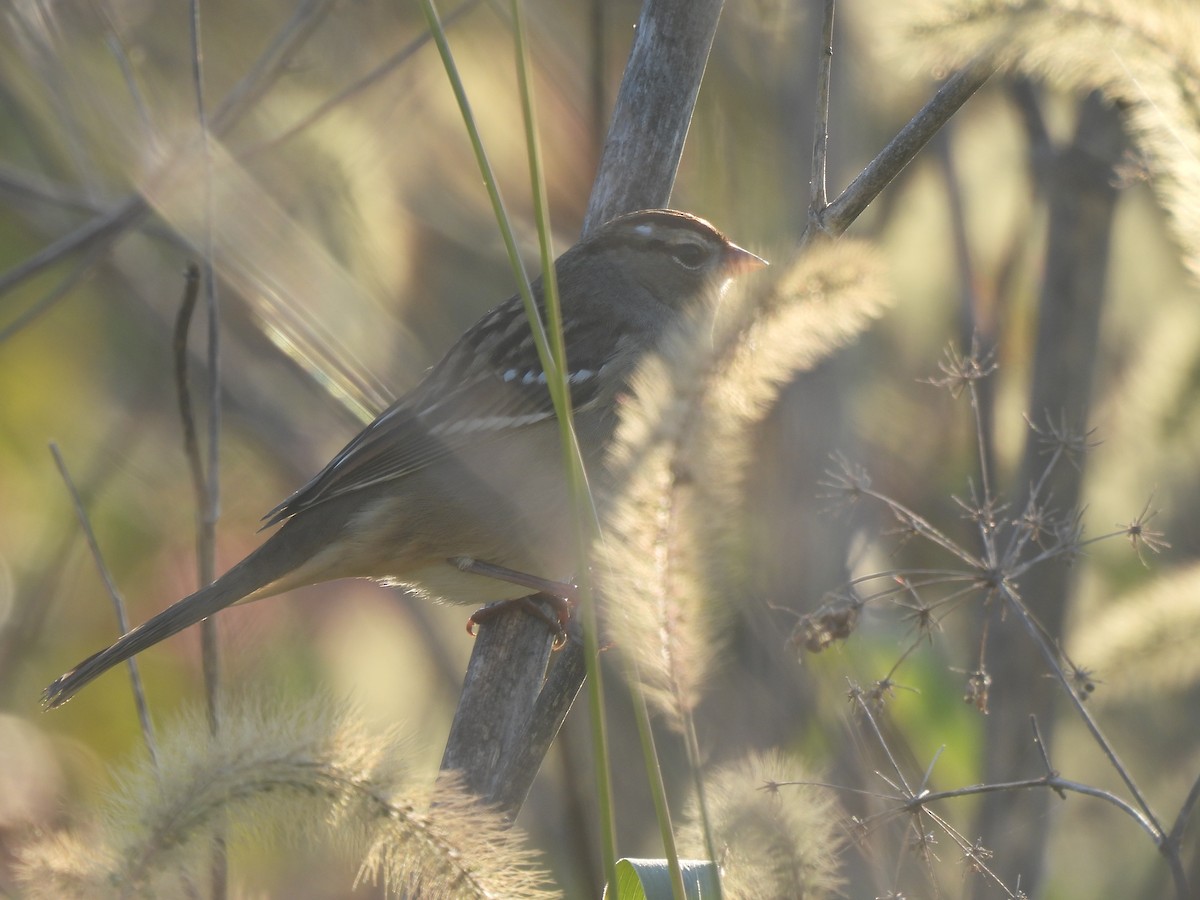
{"points": [[979, 685], [832, 622]]}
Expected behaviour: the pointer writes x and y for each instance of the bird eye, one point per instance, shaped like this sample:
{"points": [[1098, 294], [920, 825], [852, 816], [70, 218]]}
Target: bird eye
{"points": [[690, 256]]}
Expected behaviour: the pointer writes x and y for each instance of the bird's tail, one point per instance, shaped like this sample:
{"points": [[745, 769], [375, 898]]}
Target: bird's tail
{"points": [[252, 575]]}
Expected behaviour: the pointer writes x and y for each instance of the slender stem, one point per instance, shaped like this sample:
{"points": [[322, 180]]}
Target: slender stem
{"points": [[1048, 469], [541, 342], [820, 156], [120, 53], [696, 764], [1054, 782], [658, 790], [78, 273], [210, 499], [1170, 847], [585, 518], [866, 711], [1185, 812], [27, 185], [1051, 657], [936, 576], [984, 469], [139, 691], [900, 151], [573, 459], [555, 380], [970, 310], [271, 62], [98, 233], [183, 394], [1040, 743], [359, 86], [924, 528]]}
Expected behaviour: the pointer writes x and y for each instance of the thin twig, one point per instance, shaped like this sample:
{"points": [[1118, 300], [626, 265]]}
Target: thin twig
{"points": [[373, 77], [1185, 813], [70, 281], [1051, 656], [31, 189], [970, 311], [209, 501], [97, 233], [272, 62], [857, 694], [183, 320], [924, 528], [1170, 845], [102, 230], [191, 447], [820, 157], [52, 77], [23, 184], [1054, 782], [1040, 743], [121, 54], [139, 692], [838, 216], [917, 801]]}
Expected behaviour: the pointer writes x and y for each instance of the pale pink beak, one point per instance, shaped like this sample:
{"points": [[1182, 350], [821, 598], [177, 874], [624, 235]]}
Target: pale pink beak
{"points": [[736, 260]]}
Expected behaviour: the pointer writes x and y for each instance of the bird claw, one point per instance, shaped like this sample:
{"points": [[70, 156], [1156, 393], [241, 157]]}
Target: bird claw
{"points": [[557, 621]]}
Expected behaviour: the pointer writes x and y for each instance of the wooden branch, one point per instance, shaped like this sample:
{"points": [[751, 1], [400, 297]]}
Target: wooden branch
{"points": [[510, 711], [500, 691], [654, 108], [539, 730]]}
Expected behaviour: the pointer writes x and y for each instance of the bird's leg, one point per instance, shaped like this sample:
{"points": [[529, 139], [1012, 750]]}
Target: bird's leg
{"points": [[560, 594], [490, 570]]}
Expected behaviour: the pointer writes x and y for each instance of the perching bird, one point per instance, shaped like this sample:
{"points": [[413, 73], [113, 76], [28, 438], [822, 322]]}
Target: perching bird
{"points": [[463, 475]]}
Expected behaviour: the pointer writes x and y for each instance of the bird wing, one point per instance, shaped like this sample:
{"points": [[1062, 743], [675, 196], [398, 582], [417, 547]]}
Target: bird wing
{"points": [[489, 383]]}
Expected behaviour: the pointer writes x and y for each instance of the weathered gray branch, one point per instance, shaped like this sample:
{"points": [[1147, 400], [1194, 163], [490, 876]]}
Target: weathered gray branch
{"points": [[654, 108]]}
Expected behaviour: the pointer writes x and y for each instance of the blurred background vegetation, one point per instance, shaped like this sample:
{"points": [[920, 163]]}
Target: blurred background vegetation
{"points": [[368, 233]]}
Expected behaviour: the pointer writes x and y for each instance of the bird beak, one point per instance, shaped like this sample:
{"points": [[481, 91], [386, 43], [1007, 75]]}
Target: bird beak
{"points": [[736, 260]]}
